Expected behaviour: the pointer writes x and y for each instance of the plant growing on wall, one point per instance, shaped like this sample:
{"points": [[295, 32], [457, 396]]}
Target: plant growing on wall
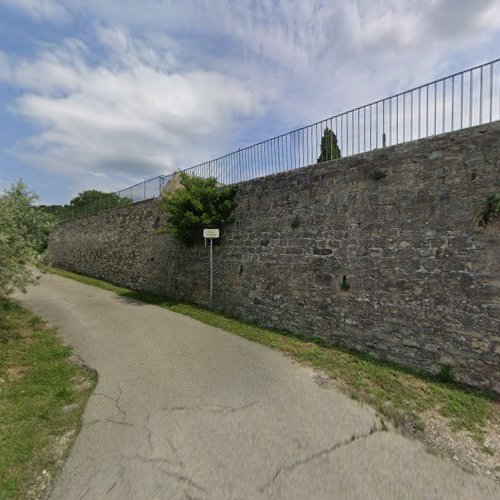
{"points": [[491, 210], [198, 204], [329, 147]]}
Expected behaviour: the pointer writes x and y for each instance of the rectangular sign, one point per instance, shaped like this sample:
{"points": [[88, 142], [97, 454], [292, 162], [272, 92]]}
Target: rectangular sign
{"points": [[210, 233]]}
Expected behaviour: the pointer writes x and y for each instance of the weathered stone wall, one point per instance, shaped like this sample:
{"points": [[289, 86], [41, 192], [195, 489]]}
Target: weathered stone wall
{"points": [[424, 276]]}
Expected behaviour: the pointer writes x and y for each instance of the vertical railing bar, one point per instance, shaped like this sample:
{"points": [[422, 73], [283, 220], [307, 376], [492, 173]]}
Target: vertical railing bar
{"points": [[427, 112], [462, 101], [279, 159], [306, 146], [471, 96], [481, 96], [280, 154], [397, 119], [342, 133], [311, 144], [444, 106], [353, 130], [452, 103], [337, 130], [364, 128], [411, 116], [381, 136], [359, 146], [419, 113], [404, 115], [435, 109], [390, 122], [304, 161], [371, 126], [499, 98], [491, 92]]}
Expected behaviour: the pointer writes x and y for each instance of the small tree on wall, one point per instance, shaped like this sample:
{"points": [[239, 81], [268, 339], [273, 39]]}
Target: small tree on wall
{"points": [[196, 205], [329, 147]]}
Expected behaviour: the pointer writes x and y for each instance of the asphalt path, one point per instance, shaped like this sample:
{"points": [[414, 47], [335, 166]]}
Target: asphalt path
{"points": [[183, 410]]}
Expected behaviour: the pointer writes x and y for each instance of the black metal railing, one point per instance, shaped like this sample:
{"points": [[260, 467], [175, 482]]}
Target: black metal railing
{"points": [[464, 99]]}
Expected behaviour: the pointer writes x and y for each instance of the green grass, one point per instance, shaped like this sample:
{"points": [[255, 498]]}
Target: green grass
{"points": [[37, 379], [399, 393]]}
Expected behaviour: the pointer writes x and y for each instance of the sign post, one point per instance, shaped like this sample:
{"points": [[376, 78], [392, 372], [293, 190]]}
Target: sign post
{"points": [[211, 234]]}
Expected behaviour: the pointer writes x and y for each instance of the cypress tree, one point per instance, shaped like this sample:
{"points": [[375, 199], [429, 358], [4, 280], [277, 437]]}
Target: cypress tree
{"points": [[329, 147]]}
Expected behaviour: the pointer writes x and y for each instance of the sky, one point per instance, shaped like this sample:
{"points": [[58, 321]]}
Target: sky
{"points": [[105, 94]]}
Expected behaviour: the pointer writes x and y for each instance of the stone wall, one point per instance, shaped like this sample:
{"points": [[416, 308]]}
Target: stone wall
{"points": [[424, 277]]}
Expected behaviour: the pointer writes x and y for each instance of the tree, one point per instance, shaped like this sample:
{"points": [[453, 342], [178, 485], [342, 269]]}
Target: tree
{"points": [[196, 205], [329, 147], [93, 197], [24, 231]]}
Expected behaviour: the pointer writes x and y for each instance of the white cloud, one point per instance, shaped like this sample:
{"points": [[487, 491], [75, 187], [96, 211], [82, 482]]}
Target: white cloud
{"points": [[130, 115], [40, 9]]}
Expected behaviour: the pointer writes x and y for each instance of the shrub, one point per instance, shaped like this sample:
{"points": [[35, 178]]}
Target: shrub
{"points": [[198, 204], [24, 232], [490, 211]]}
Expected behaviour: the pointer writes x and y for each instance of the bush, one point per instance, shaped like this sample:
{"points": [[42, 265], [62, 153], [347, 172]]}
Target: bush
{"points": [[24, 232], [490, 211], [198, 204]]}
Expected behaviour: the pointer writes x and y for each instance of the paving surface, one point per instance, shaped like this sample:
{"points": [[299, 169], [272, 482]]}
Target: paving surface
{"points": [[183, 410]]}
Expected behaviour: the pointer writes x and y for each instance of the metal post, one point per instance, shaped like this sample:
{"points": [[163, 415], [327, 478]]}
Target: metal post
{"points": [[211, 272]]}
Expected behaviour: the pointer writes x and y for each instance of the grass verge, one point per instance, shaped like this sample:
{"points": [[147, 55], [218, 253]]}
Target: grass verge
{"points": [[401, 394], [43, 392]]}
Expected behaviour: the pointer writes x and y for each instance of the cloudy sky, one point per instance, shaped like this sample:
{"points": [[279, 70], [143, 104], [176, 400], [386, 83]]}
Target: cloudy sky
{"points": [[104, 94]]}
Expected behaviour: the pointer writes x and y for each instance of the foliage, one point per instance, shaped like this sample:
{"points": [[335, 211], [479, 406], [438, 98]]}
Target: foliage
{"points": [[58, 211], [491, 210], [86, 202], [198, 204], [24, 234], [377, 175], [446, 374], [93, 196], [329, 147]]}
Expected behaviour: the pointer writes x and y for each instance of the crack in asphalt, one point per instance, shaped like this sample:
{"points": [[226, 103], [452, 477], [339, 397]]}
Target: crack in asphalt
{"points": [[319, 454], [183, 479], [152, 460], [113, 485], [222, 409], [149, 432], [179, 477], [116, 403], [84, 494]]}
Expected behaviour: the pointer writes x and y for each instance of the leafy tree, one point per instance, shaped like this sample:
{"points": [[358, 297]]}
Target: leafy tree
{"points": [[329, 147], [55, 210], [196, 205], [24, 231], [93, 197]]}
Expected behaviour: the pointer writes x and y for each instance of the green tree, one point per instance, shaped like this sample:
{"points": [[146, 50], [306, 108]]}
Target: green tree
{"points": [[93, 197], [196, 205], [329, 147], [24, 231]]}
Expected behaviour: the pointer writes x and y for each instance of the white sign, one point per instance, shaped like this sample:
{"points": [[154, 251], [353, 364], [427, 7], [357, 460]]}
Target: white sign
{"points": [[210, 233]]}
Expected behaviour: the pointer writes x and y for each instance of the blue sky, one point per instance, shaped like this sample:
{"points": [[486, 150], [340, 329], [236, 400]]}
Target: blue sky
{"points": [[105, 94]]}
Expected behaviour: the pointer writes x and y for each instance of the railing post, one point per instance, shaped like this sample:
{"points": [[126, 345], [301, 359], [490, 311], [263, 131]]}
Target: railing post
{"points": [[384, 140]]}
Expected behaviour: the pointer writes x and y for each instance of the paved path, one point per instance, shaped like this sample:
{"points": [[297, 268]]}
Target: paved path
{"points": [[186, 411]]}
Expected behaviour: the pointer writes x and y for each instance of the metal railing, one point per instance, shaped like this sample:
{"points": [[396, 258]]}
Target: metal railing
{"points": [[464, 99]]}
